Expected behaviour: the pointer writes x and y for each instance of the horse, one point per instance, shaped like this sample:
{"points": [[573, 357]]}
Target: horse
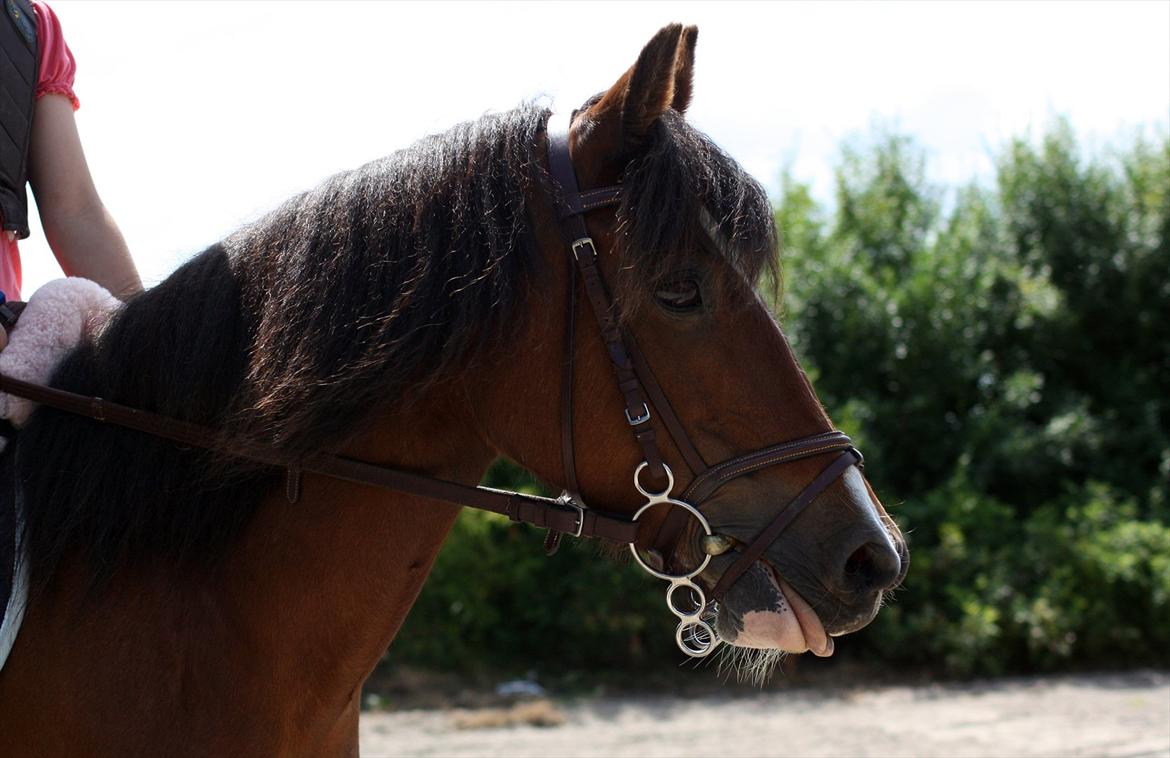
{"points": [[413, 313]]}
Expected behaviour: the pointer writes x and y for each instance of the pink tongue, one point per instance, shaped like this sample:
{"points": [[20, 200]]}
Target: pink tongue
{"points": [[795, 628], [767, 630]]}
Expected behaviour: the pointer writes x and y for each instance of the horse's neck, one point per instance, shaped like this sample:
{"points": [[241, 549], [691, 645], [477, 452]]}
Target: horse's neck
{"points": [[329, 579], [290, 622]]}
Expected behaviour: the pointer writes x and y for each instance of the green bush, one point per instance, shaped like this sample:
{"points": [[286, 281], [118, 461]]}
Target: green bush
{"points": [[1079, 582], [1002, 356], [1005, 365]]}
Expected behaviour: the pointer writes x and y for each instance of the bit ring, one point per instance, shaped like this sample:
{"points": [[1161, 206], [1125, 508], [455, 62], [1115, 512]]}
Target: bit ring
{"points": [[696, 638]]}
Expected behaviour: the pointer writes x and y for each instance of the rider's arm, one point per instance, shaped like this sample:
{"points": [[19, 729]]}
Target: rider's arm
{"points": [[79, 229]]}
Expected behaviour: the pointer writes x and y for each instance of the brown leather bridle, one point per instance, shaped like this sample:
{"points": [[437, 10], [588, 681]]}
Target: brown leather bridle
{"points": [[643, 398], [641, 391]]}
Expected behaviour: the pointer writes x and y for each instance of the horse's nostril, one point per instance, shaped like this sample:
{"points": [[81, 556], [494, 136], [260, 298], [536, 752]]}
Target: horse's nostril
{"points": [[873, 566]]}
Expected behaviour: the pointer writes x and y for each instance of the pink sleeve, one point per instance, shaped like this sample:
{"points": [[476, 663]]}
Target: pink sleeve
{"points": [[57, 65]]}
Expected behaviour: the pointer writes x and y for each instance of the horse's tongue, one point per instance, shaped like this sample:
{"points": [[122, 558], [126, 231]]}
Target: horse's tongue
{"points": [[820, 643], [795, 628]]}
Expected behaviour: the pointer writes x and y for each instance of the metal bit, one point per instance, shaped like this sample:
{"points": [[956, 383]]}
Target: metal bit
{"points": [[717, 544]]}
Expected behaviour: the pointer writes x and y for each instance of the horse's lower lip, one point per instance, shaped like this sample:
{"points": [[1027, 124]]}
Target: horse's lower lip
{"points": [[851, 626], [819, 642]]}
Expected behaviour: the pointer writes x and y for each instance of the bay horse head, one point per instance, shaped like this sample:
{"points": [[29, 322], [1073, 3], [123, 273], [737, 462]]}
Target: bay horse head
{"points": [[581, 295], [703, 371]]}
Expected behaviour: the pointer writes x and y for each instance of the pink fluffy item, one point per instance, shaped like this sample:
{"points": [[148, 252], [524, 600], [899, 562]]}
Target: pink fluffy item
{"points": [[56, 318]]}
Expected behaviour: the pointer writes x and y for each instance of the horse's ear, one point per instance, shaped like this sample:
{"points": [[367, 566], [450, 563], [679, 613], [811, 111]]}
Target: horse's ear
{"points": [[662, 78], [684, 69]]}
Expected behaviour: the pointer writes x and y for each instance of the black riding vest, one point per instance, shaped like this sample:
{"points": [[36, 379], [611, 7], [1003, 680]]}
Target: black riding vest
{"points": [[18, 84]]}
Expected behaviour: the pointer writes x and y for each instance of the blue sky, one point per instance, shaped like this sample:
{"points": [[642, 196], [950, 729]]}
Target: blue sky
{"points": [[198, 116]]}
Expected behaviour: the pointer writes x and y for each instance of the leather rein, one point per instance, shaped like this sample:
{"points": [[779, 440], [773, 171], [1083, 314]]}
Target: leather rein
{"points": [[567, 514]]}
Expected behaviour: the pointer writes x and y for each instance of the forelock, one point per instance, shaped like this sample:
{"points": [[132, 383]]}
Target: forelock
{"points": [[683, 194]]}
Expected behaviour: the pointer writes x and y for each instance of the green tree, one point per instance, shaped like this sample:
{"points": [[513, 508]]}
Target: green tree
{"points": [[1005, 366]]}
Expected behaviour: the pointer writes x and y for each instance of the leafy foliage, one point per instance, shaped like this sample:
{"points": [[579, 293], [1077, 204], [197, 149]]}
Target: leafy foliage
{"points": [[1005, 365]]}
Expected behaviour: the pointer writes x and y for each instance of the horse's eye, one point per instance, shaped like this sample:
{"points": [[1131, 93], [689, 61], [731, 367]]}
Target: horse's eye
{"points": [[679, 295]]}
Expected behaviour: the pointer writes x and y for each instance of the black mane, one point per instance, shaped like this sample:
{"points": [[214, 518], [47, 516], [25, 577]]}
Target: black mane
{"points": [[296, 329]]}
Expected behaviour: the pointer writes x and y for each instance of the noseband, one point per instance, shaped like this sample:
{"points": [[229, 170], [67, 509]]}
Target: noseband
{"points": [[641, 392], [643, 398]]}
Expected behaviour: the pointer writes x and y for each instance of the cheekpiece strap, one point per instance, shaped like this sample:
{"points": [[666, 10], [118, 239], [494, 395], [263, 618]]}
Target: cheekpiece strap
{"points": [[571, 205]]}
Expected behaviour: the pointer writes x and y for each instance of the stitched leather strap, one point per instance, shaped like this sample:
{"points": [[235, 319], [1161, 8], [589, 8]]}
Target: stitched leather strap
{"points": [[568, 456], [785, 517], [572, 491], [540, 511], [704, 486], [665, 411], [572, 204]]}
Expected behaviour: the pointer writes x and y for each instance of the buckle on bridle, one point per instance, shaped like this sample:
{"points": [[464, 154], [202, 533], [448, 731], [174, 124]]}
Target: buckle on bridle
{"points": [[641, 418], [584, 242], [567, 499]]}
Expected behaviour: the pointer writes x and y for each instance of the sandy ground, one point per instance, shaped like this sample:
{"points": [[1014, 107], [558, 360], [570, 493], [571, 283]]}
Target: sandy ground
{"points": [[1122, 715]]}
